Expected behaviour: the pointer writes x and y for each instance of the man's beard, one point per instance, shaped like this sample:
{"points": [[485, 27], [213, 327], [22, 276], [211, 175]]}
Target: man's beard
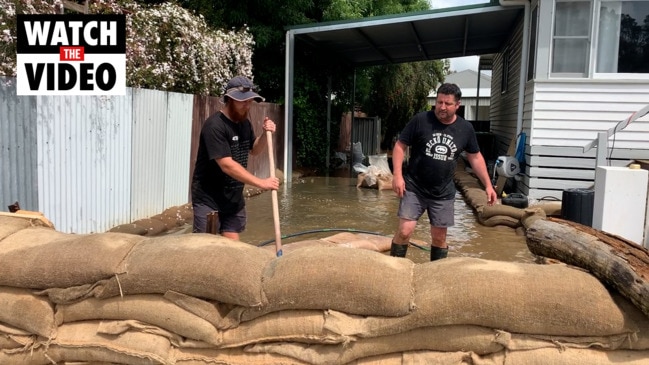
{"points": [[238, 115]]}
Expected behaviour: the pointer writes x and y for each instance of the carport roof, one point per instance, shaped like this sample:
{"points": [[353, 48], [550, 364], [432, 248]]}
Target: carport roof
{"points": [[473, 30], [430, 35]]}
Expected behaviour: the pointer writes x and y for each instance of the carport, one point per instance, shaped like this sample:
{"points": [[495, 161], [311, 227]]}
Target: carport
{"points": [[423, 36]]}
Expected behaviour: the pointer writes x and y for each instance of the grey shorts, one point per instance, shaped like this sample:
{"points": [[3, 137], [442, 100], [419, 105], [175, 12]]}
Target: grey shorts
{"points": [[441, 213], [226, 223]]}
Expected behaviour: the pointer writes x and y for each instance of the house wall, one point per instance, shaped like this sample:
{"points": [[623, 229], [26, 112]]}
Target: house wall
{"points": [[567, 116], [503, 113], [561, 116]]}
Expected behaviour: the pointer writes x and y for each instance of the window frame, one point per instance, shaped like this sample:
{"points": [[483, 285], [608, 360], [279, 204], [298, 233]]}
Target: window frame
{"points": [[588, 38], [593, 46]]}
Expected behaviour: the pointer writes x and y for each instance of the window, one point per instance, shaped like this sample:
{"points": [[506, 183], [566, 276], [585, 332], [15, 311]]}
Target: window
{"points": [[623, 39], [571, 41], [504, 78], [531, 59], [616, 42]]}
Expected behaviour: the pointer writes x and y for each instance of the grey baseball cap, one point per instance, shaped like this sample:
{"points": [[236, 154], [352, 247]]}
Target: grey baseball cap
{"points": [[240, 88]]}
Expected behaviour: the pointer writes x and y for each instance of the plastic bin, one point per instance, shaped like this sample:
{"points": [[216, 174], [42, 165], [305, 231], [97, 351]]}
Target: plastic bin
{"points": [[577, 205]]}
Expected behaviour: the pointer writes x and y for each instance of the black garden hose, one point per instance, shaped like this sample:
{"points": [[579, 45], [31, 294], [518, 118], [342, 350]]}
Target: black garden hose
{"points": [[264, 243]]}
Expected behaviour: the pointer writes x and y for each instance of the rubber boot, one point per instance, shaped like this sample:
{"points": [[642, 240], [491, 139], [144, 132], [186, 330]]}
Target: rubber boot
{"points": [[397, 250], [437, 253]]}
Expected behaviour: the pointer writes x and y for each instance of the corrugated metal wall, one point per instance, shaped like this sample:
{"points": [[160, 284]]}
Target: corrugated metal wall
{"points": [[368, 132], [178, 149], [18, 172], [84, 161], [90, 163], [149, 138]]}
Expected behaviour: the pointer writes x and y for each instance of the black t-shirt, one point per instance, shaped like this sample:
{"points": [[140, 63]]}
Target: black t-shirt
{"points": [[220, 137], [434, 150]]}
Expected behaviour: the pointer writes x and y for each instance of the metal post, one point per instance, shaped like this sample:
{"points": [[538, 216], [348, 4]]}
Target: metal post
{"points": [[602, 146], [328, 122]]}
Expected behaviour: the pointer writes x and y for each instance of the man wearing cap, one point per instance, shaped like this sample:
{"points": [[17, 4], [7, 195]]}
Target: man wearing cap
{"points": [[221, 171]]}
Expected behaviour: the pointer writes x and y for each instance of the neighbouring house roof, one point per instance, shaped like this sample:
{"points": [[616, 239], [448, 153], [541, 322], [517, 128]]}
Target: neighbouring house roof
{"points": [[467, 80]]}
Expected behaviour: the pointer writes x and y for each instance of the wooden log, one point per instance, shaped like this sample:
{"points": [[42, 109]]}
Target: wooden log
{"points": [[617, 262]]}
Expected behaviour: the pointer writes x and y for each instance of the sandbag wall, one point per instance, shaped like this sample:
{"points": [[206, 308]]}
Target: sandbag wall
{"points": [[498, 214], [203, 299]]}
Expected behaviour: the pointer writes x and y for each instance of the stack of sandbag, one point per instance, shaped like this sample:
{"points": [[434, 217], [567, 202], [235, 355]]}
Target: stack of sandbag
{"points": [[498, 214], [203, 299]]}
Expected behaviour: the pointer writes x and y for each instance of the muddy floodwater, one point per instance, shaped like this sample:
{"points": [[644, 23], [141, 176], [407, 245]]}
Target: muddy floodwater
{"points": [[329, 203]]}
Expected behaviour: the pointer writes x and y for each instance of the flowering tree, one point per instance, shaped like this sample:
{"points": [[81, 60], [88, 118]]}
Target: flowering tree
{"points": [[167, 47]]}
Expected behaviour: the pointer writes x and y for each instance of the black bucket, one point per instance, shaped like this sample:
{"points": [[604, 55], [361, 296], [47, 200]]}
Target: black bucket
{"points": [[577, 206]]}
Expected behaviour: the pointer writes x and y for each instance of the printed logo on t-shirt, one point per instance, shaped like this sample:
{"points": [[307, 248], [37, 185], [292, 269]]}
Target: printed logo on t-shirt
{"points": [[441, 147], [235, 138]]}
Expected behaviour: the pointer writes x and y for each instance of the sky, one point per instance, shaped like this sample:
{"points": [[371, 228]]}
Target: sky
{"points": [[459, 63]]}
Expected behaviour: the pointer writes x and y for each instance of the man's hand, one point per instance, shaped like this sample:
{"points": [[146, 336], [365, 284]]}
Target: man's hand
{"points": [[492, 197], [270, 183], [269, 125], [398, 185]]}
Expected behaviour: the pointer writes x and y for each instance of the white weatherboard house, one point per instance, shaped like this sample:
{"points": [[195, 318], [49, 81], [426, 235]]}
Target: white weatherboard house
{"points": [[563, 72], [568, 71]]}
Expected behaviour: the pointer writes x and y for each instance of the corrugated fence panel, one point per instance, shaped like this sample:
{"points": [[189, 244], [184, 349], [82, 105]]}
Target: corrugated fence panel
{"points": [[178, 149], [84, 149], [368, 132], [149, 138], [18, 170]]}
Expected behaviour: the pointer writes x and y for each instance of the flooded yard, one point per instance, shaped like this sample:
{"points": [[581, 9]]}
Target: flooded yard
{"points": [[315, 207]]}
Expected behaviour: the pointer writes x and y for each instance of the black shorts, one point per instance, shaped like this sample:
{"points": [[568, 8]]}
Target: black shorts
{"points": [[226, 222]]}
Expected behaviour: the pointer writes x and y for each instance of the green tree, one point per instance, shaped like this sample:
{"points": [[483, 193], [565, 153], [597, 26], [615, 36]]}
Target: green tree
{"points": [[401, 91], [266, 21]]}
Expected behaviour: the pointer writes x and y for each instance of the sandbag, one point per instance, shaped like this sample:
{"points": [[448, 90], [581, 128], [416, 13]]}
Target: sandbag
{"points": [[361, 240], [566, 356], [474, 339], [13, 338], [237, 356], [303, 326], [201, 265], [152, 309], [41, 258], [349, 280], [500, 220], [489, 211], [212, 312], [80, 342], [503, 295], [10, 225], [518, 297], [551, 208], [25, 311]]}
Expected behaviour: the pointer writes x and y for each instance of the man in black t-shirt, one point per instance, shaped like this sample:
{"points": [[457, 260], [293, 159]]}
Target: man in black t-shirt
{"points": [[221, 171], [436, 140]]}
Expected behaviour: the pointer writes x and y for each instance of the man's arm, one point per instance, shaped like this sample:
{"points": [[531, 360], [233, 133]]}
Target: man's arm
{"points": [[238, 172], [398, 153], [479, 167]]}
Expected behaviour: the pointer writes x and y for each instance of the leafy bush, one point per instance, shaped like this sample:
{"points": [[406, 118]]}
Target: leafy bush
{"points": [[167, 47]]}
